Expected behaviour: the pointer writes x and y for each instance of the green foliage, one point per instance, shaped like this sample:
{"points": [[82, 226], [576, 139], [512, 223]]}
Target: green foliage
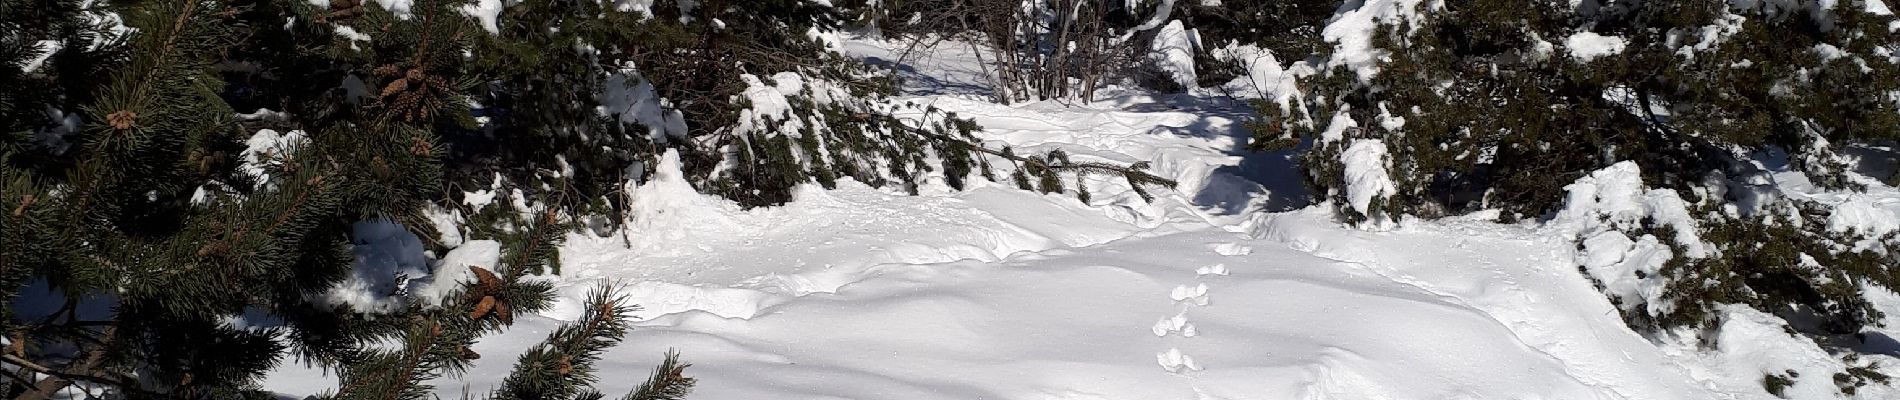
{"points": [[145, 230], [1859, 375], [562, 366], [1771, 264], [113, 216], [546, 131], [666, 383], [1482, 105], [543, 131], [1289, 28], [129, 184], [1777, 384], [1494, 117]]}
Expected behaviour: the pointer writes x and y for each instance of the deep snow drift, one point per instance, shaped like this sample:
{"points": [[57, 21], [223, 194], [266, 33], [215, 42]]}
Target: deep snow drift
{"points": [[1225, 288]]}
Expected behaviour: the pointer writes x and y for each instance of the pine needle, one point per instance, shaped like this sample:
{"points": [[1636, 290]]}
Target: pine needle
{"points": [[667, 382]]}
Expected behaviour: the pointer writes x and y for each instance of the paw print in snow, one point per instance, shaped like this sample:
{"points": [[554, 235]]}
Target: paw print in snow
{"points": [[1175, 362], [1196, 294], [1177, 323], [1216, 269]]}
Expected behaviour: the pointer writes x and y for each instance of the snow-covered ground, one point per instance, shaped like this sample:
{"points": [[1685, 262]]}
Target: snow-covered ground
{"points": [[1224, 288]]}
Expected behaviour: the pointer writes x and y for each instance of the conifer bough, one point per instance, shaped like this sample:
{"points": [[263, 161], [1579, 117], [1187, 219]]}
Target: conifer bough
{"points": [[1057, 161]]}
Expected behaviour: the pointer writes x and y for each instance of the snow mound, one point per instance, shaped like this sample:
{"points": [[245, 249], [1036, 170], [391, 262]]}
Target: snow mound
{"points": [[1352, 30], [1586, 45], [1865, 215], [453, 269], [388, 258], [1602, 210], [1173, 52], [629, 98], [1614, 198], [1751, 345], [1366, 177]]}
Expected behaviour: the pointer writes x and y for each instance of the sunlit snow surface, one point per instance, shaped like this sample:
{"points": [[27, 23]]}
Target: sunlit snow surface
{"points": [[1224, 288]]}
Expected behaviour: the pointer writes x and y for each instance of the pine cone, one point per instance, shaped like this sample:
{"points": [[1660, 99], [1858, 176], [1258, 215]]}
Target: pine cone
{"points": [[208, 249], [343, 10], [421, 147], [565, 366], [381, 166], [122, 119], [396, 86], [25, 200], [485, 282], [482, 308]]}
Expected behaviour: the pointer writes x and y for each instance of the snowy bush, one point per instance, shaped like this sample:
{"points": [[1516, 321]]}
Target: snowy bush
{"points": [[1695, 151]]}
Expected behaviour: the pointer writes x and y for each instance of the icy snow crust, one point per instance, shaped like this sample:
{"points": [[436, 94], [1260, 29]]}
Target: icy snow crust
{"points": [[999, 293]]}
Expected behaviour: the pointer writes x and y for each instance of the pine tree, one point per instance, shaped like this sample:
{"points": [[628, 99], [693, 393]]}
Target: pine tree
{"points": [[143, 233], [1487, 104], [140, 174]]}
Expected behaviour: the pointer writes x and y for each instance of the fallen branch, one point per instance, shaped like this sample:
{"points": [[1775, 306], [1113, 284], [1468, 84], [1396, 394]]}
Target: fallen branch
{"points": [[1056, 161]]}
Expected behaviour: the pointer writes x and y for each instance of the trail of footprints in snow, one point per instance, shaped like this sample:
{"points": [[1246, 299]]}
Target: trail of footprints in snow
{"points": [[1194, 295]]}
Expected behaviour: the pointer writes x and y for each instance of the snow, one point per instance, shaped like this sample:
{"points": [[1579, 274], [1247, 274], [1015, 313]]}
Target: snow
{"points": [[1206, 293], [1352, 28], [1366, 178], [452, 270], [640, 6], [1878, 7], [486, 12], [45, 49], [768, 101], [1752, 343], [1173, 52], [54, 138], [628, 98], [267, 146], [1600, 211], [1586, 45], [1614, 198], [389, 260], [1336, 129], [1867, 215], [1155, 20], [352, 35], [1628, 269], [1265, 78]]}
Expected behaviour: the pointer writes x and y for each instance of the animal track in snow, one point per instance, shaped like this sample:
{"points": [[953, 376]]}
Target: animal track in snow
{"points": [[1177, 323], [1232, 249], [1175, 362], [1216, 269], [1196, 294]]}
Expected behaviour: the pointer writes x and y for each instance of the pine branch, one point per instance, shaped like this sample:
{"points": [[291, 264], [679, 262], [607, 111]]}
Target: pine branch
{"points": [[562, 366], [84, 369], [1056, 161], [668, 381]]}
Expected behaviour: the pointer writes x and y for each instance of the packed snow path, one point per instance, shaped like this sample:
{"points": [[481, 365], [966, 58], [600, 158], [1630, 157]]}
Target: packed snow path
{"points": [[1221, 289]]}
